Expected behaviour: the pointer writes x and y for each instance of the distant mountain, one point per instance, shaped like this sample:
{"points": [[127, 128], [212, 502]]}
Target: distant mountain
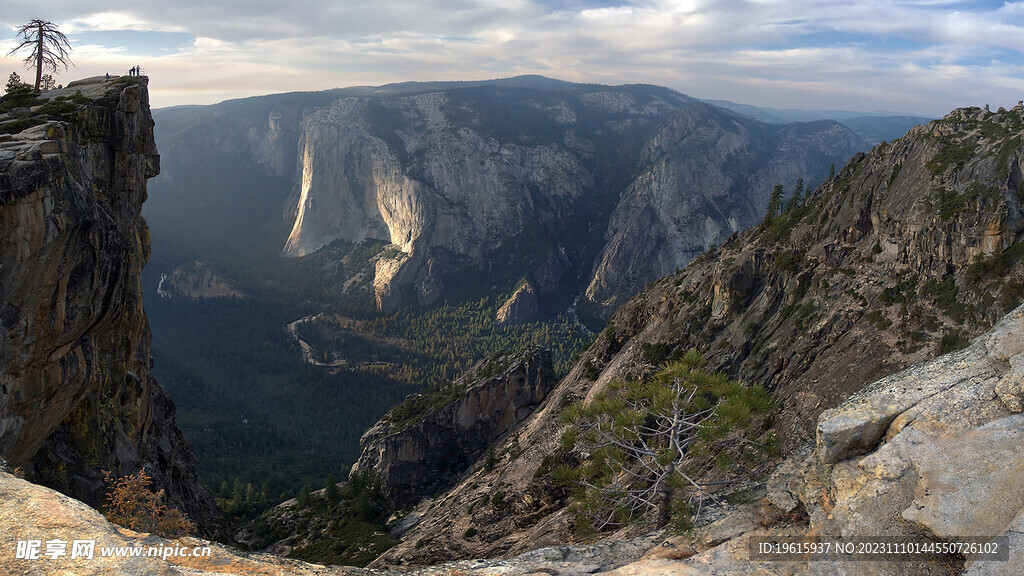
{"points": [[782, 115], [579, 189], [873, 127]]}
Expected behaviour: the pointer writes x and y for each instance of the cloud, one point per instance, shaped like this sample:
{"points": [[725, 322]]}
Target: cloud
{"points": [[926, 56]]}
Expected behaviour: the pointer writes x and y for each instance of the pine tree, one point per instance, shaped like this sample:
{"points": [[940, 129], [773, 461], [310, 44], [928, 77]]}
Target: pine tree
{"points": [[237, 496], [798, 195], [637, 440], [774, 203], [302, 498], [264, 498], [14, 84], [333, 496]]}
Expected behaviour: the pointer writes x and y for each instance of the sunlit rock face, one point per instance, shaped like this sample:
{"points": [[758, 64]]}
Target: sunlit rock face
{"points": [[617, 185]]}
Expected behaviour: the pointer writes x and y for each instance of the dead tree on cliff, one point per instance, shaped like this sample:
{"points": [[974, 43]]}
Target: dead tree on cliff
{"points": [[49, 48], [641, 444]]}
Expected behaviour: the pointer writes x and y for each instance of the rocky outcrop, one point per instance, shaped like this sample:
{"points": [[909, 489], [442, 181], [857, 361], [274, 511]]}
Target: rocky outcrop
{"points": [[196, 280], [908, 252], [519, 308], [77, 397], [32, 512], [928, 454], [422, 446]]}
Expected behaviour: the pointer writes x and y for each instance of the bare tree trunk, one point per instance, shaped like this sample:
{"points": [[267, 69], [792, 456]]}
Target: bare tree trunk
{"points": [[667, 489], [667, 493], [39, 58]]}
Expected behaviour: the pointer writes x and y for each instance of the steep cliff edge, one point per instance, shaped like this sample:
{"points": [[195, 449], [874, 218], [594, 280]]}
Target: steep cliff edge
{"points": [[424, 445], [76, 395], [908, 252]]}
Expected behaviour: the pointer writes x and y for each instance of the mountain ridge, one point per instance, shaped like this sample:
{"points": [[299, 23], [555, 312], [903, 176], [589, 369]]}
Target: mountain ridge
{"points": [[404, 189], [906, 253]]}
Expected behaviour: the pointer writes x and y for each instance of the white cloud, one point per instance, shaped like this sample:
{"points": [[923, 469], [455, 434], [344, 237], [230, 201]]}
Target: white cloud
{"points": [[907, 55]]}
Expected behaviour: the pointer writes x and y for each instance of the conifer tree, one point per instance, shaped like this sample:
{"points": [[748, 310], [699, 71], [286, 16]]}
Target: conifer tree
{"points": [[333, 496], [637, 439], [264, 498], [237, 496], [14, 84], [774, 203], [797, 197]]}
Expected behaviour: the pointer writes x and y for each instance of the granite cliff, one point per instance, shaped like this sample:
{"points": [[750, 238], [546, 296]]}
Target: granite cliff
{"points": [[424, 445], [77, 397], [908, 252], [477, 186], [452, 182]]}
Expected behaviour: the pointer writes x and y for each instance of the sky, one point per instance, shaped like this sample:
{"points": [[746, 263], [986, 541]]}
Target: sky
{"points": [[922, 57]]}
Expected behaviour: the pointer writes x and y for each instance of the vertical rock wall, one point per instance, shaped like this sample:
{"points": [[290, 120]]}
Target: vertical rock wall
{"points": [[76, 397]]}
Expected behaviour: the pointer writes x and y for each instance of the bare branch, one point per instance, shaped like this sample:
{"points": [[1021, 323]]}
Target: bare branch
{"points": [[50, 48]]}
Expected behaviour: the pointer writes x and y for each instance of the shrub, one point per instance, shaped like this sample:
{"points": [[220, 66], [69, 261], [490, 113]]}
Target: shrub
{"points": [[789, 260], [945, 294], [952, 341], [950, 153], [877, 317], [133, 504]]}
